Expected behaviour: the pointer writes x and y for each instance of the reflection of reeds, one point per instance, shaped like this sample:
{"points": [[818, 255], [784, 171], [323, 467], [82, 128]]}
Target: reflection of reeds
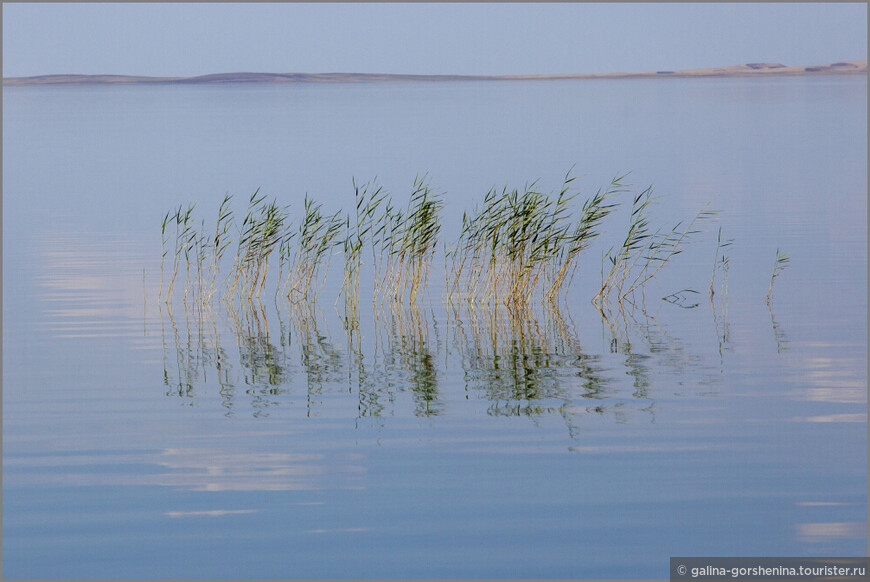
{"points": [[720, 320], [404, 356], [524, 363], [778, 334], [720, 263], [524, 360]]}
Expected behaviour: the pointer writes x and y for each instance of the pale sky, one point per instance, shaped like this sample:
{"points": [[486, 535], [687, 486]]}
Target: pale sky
{"points": [[175, 39]]}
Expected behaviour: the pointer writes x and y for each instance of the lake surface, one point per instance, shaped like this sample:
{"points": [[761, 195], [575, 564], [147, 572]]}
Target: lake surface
{"points": [[261, 440]]}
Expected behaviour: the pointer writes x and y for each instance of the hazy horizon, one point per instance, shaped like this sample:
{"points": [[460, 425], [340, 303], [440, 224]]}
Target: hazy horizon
{"points": [[186, 40], [354, 74]]}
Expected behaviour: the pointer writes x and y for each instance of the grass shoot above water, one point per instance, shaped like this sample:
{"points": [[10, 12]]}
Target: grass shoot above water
{"points": [[514, 247], [779, 266]]}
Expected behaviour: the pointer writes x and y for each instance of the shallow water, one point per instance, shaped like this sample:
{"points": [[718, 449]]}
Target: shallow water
{"points": [[262, 441]]}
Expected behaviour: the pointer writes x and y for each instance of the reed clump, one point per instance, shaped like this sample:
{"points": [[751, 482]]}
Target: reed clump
{"points": [[515, 246], [262, 230], [520, 243], [359, 226], [316, 237]]}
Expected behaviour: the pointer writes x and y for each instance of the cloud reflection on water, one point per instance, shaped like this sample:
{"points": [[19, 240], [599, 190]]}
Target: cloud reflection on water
{"points": [[195, 469], [823, 532], [92, 284]]}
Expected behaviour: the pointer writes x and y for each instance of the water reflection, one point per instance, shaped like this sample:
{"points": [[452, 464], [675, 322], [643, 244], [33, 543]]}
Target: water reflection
{"points": [[839, 380], [405, 359], [528, 362], [210, 513], [824, 532], [719, 309], [396, 358], [227, 470], [84, 298], [778, 333], [197, 469]]}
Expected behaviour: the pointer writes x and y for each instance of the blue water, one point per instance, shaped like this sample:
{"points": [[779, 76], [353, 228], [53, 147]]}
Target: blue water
{"points": [[260, 441]]}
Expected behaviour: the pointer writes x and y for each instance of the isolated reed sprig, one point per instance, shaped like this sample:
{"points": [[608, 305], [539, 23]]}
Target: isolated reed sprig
{"points": [[720, 262], [164, 239], [220, 242], [779, 265]]}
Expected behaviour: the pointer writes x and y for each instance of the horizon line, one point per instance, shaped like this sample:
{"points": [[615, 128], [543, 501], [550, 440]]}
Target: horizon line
{"points": [[745, 70]]}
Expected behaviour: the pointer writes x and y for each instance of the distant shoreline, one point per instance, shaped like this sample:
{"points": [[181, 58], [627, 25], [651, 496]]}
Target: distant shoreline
{"points": [[747, 70]]}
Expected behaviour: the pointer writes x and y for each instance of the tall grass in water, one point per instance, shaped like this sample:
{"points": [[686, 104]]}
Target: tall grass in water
{"points": [[185, 236], [385, 244], [358, 228], [245, 247], [665, 245], [623, 259], [220, 242], [164, 239], [644, 252], [504, 244], [779, 266], [316, 237], [517, 244], [270, 229], [594, 211], [406, 242], [419, 239], [262, 230]]}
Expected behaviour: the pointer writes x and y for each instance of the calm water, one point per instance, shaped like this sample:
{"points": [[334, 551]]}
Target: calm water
{"points": [[257, 441]]}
